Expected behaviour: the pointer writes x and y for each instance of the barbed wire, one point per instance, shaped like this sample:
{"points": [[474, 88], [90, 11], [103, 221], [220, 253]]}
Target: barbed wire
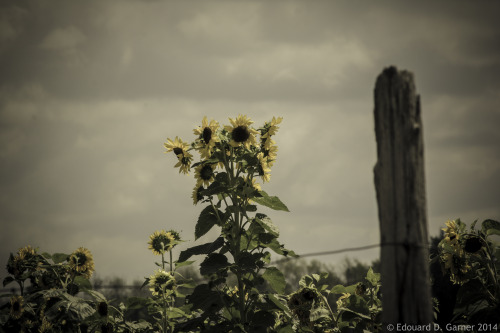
{"points": [[288, 258]]}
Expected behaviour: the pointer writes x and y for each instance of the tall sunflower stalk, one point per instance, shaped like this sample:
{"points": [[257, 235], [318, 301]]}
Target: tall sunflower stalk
{"points": [[162, 283], [232, 160]]}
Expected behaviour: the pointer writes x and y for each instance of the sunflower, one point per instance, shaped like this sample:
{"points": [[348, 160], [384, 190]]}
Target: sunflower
{"points": [[451, 233], [270, 128], [196, 195], [456, 263], [207, 136], [270, 152], [16, 307], [161, 241], [254, 184], [180, 150], [81, 261], [241, 132], [264, 170], [204, 174], [26, 252], [161, 282]]}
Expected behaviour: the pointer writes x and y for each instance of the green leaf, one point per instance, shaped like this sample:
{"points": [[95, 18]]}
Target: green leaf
{"points": [[134, 303], [201, 249], [82, 282], [262, 320], [373, 278], [319, 313], [305, 281], [251, 208], [275, 278], [184, 263], [266, 223], [279, 304], [205, 299], [339, 289], [59, 257], [214, 188], [207, 219], [175, 313], [286, 329], [491, 227], [280, 249], [8, 280], [213, 263], [270, 201]]}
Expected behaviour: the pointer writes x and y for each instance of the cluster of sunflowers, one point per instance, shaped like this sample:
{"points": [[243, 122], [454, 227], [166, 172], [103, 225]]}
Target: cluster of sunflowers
{"points": [[34, 272], [456, 249], [230, 146], [162, 282]]}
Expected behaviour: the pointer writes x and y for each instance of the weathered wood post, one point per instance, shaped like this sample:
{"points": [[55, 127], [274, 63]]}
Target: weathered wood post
{"points": [[400, 187]]}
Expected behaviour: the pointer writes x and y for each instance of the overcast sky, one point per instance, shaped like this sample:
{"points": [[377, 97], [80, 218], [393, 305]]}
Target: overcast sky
{"points": [[90, 91]]}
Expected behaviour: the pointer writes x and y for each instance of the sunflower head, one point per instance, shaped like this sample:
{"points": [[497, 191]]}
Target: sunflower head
{"points": [[204, 174], [161, 282], [240, 132], [452, 234], [179, 148], [270, 128], [26, 253], [196, 195], [163, 241], [82, 262], [264, 169], [207, 137], [16, 307]]}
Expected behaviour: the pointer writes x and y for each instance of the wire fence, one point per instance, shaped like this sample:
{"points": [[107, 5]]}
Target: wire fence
{"points": [[312, 254]]}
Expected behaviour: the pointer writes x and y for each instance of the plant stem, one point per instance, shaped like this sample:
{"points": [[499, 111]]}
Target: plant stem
{"points": [[171, 267]]}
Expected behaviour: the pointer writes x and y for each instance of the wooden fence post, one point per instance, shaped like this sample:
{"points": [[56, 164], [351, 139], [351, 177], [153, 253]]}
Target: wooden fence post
{"points": [[400, 187]]}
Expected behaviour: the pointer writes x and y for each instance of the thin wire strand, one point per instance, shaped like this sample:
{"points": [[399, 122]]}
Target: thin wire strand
{"points": [[312, 254]]}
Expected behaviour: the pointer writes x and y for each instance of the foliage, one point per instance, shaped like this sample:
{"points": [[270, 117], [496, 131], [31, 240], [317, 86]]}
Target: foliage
{"points": [[56, 296], [469, 258]]}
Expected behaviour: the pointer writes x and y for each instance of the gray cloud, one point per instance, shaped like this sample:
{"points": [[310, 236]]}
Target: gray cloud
{"points": [[90, 91]]}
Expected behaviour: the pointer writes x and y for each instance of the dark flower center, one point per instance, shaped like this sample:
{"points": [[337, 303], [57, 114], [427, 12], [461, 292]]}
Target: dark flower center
{"points": [[80, 259], [159, 242], [473, 244], [206, 172], [177, 151], [308, 295], [102, 309], [240, 134], [16, 306], [207, 134]]}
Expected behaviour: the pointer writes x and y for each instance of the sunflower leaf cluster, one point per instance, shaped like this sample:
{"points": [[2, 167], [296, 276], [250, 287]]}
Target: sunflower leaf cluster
{"points": [[49, 295], [469, 257], [235, 161]]}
